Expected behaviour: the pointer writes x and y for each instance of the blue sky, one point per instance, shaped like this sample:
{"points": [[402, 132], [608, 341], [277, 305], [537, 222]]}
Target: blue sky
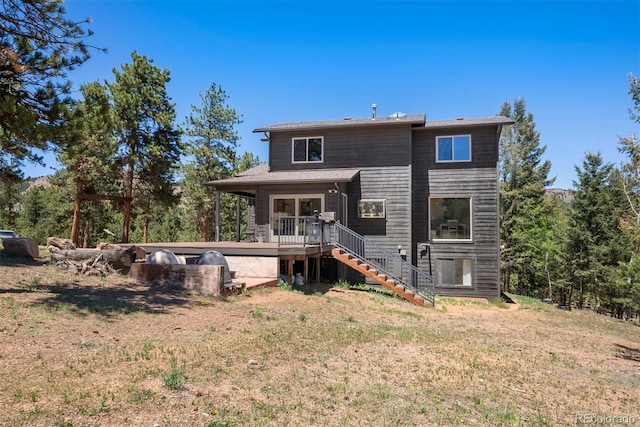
{"points": [[316, 60]]}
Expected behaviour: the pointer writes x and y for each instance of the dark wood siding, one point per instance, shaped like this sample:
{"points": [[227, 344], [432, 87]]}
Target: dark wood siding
{"points": [[346, 148], [393, 185], [477, 179], [390, 184]]}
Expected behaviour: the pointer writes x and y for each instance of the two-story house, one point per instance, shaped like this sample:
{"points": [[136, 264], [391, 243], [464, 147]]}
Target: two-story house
{"points": [[427, 190]]}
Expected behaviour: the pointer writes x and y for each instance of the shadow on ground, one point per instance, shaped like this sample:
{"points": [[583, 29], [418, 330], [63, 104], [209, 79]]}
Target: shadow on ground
{"points": [[13, 261], [628, 353], [313, 288], [105, 301]]}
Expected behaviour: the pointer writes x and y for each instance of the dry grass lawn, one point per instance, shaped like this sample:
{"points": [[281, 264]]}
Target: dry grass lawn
{"points": [[80, 351]]}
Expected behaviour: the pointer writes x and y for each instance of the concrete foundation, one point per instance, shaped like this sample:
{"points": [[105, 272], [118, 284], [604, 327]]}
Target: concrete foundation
{"points": [[253, 266]]}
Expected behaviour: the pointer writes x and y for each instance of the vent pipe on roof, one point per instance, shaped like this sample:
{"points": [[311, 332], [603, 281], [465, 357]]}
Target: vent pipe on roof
{"points": [[374, 107]]}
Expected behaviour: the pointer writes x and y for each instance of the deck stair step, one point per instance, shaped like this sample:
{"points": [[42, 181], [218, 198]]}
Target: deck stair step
{"points": [[381, 278]]}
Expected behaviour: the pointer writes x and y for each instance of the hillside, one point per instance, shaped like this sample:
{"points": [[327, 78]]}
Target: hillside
{"points": [[87, 351]]}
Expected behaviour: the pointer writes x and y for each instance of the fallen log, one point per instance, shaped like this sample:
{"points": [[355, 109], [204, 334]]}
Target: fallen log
{"points": [[87, 268], [119, 259], [60, 243]]}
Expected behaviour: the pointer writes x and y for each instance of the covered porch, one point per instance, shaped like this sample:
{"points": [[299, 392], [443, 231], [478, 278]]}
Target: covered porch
{"points": [[272, 195]]}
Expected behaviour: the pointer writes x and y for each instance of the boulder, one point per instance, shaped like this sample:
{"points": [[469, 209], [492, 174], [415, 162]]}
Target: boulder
{"points": [[21, 247]]}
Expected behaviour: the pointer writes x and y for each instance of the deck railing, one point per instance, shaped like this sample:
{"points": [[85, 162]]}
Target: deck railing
{"points": [[301, 230], [384, 261]]}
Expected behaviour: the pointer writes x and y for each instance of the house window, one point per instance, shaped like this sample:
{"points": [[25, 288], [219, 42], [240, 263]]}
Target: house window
{"points": [[455, 148], [454, 272], [371, 208], [307, 150], [450, 218]]}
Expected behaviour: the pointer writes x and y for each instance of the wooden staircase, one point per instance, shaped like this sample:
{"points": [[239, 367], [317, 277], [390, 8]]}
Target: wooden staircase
{"points": [[381, 278]]}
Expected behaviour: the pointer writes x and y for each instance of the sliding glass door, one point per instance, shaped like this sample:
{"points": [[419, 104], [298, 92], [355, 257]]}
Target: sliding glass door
{"points": [[299, 205]]}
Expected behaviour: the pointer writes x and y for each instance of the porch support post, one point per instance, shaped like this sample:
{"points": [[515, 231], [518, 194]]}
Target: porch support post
{"points": [[217, 216], [290, 271], [238, 218]]}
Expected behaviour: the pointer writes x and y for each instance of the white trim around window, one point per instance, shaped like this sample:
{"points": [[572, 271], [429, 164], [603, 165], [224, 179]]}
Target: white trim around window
{"points": [[453, 148], [309, 149]]}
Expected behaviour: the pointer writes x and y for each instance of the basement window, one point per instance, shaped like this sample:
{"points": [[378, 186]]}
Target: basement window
{"points": [[454, 272]]}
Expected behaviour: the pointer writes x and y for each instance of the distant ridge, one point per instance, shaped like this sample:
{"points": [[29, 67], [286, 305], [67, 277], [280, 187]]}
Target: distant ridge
{"points": [[562, 194]]}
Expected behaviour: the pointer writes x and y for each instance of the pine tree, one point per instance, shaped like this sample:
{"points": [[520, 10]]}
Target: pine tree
{"points": [[626, 292], [38, 46], [149, 140], [525, 218], [89, 157], [211, 147], [594, 244], [629, 172]]}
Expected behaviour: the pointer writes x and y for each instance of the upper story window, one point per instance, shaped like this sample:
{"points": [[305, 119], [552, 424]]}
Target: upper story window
{"points": [[454, 148], [307, 150]]}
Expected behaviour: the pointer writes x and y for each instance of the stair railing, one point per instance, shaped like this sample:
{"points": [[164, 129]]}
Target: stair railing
{"points": [[392, 265]]}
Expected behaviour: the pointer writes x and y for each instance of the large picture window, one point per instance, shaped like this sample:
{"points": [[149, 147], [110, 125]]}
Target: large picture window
{"points": [[450, 218], [455, 148], [307, 150], [454, 272]]}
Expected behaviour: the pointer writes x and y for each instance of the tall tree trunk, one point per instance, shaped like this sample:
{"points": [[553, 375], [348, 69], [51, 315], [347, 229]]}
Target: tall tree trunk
{"points": [[506, 278], [128, 188], [205, 228], [85, 231], [75, 225]]}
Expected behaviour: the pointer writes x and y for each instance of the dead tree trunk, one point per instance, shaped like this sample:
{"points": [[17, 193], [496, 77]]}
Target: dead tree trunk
{"points": [[118, 258]]}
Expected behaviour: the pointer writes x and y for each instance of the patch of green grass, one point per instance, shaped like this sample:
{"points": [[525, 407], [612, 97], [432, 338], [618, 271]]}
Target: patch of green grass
{"points": [[147, 346], [342, 285], [285, 286], [174, 379], [142, 395], [526, 300], [404, 313], [499, 302]]}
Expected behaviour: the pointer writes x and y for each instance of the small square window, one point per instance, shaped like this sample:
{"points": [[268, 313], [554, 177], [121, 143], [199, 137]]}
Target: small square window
{"points": [[456, 148]]}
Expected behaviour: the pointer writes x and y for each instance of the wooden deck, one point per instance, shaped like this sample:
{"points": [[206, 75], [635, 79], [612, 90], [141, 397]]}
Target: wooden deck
{"points": [[288, 253]]}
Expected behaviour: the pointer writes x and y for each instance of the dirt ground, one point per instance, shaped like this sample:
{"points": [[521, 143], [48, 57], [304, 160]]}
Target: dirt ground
{"points": [[110, 351]]}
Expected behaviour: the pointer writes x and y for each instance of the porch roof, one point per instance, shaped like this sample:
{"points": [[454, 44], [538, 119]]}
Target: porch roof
{"points": [[246, 182]]}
